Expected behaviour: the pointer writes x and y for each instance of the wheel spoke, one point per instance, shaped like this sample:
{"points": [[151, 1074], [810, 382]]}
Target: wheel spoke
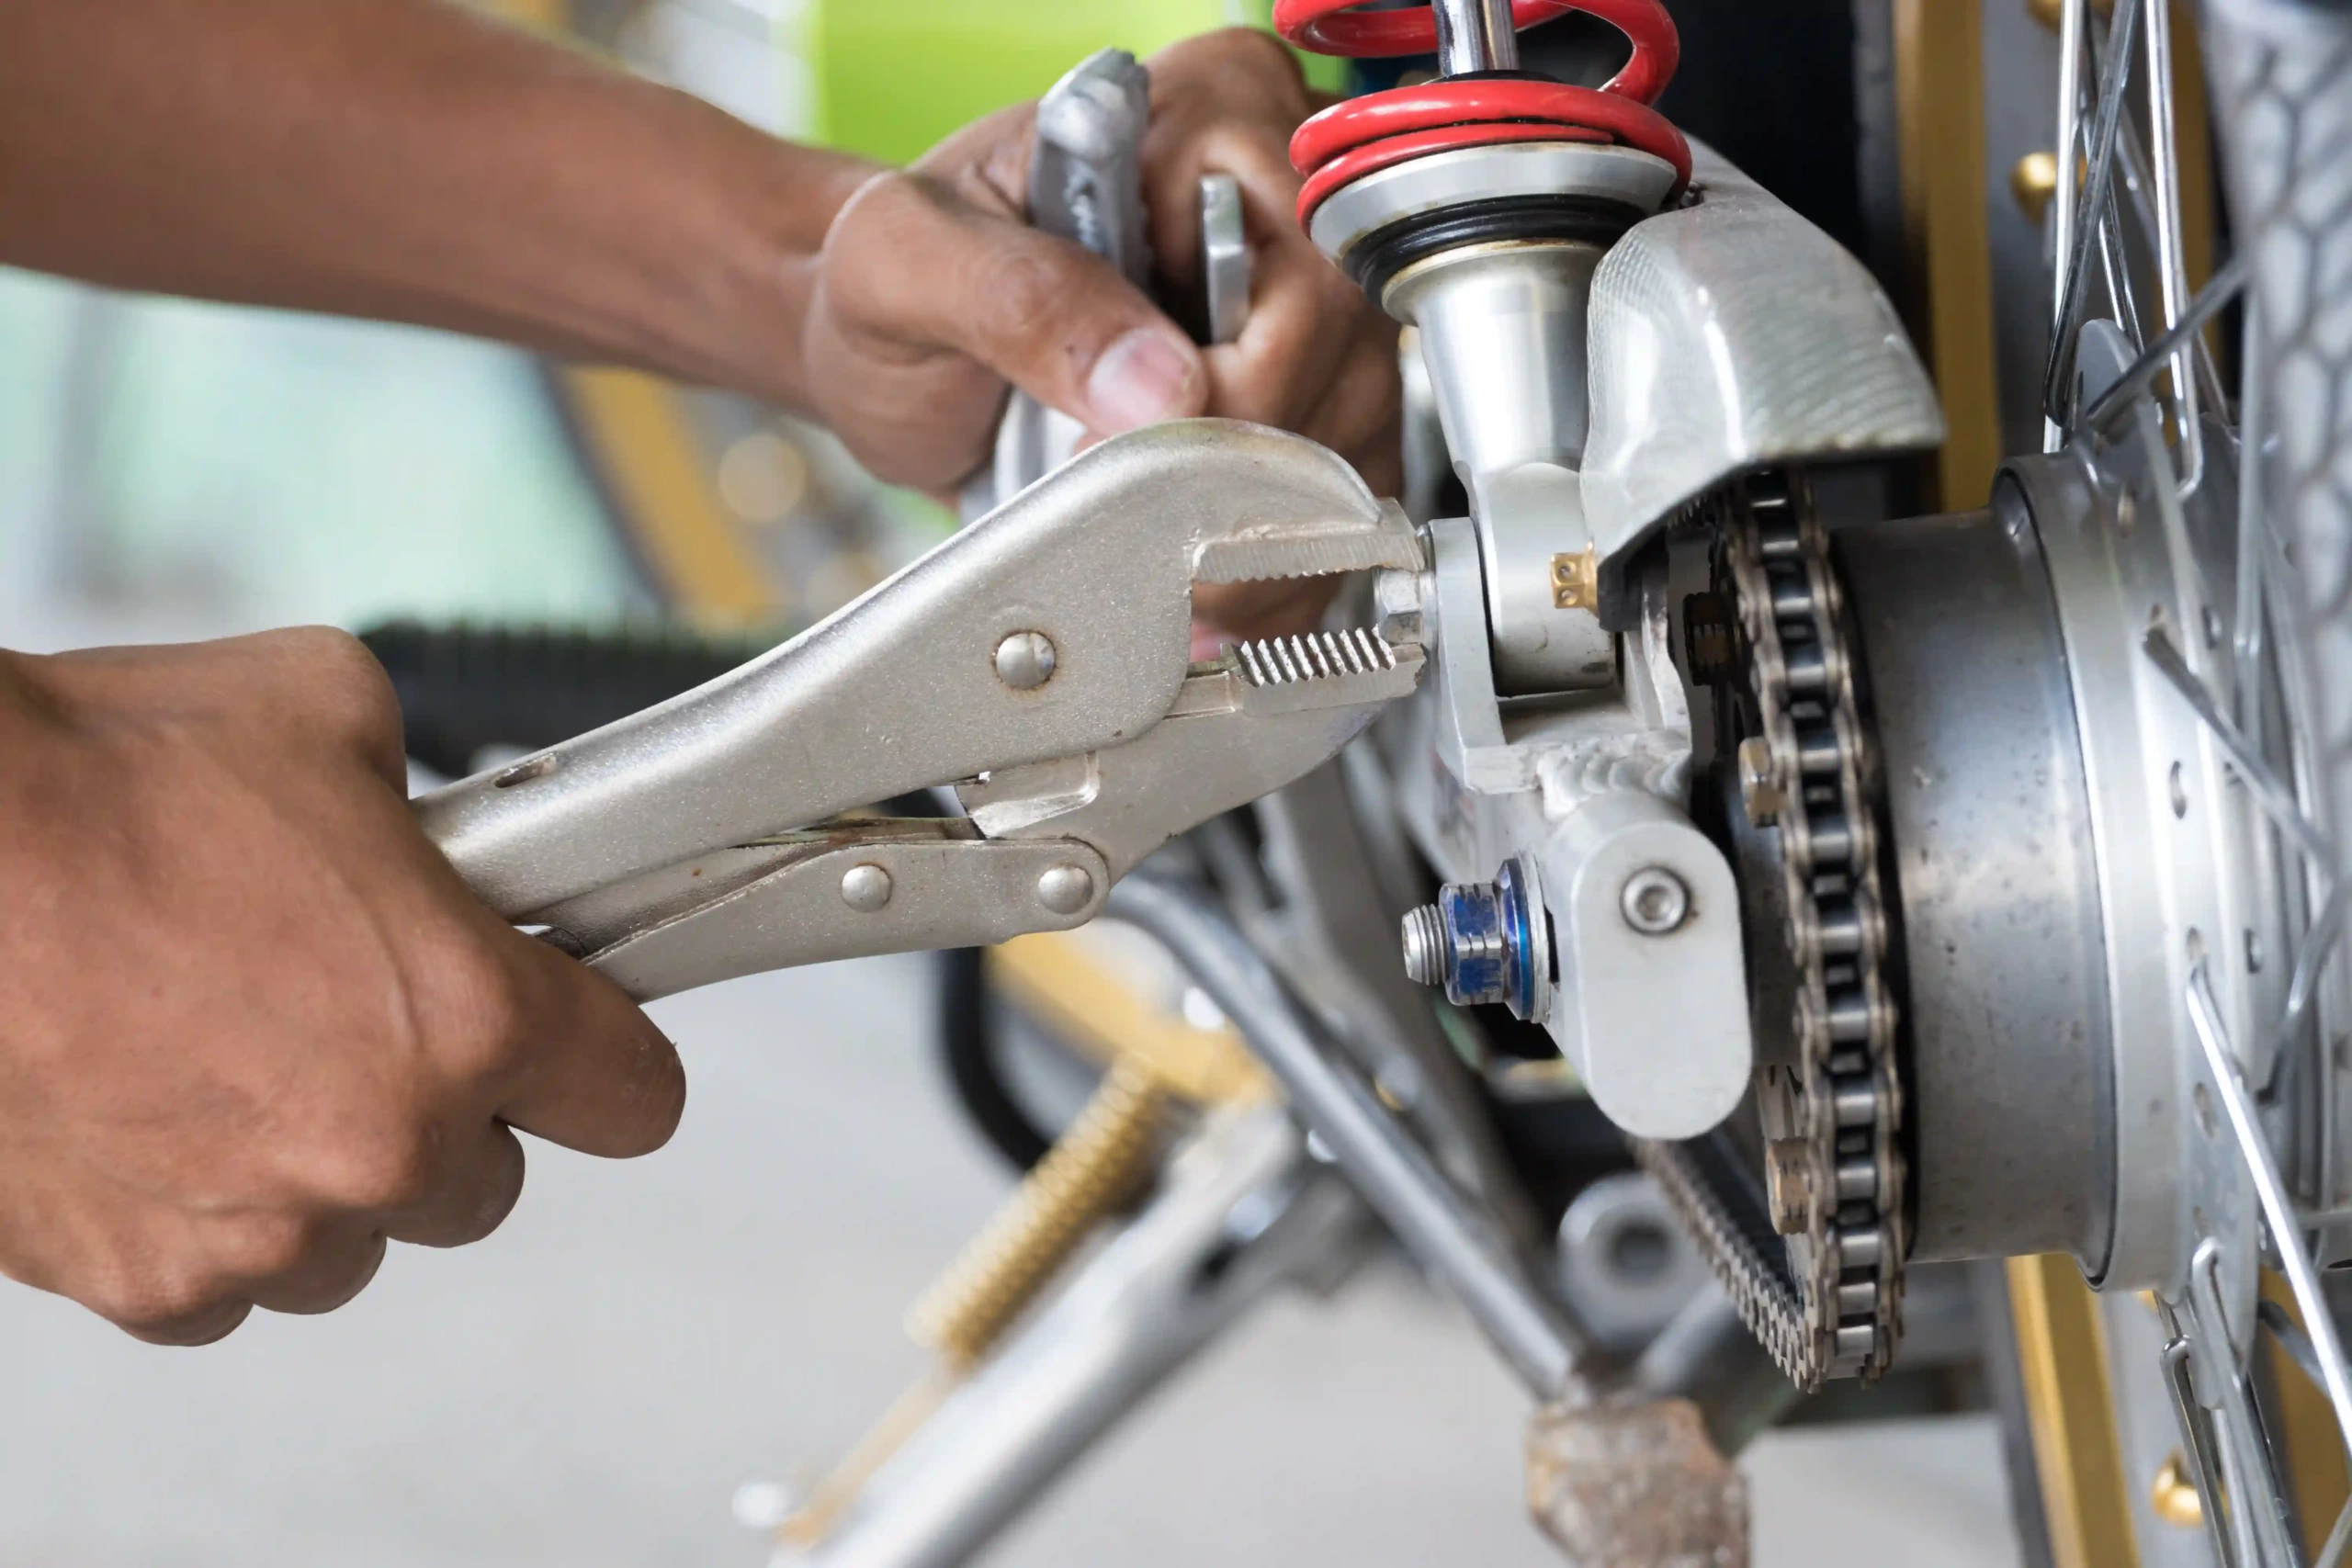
{"points": [[2113, 73], [2219, 290], [2276, 799], [2277, 1207]]}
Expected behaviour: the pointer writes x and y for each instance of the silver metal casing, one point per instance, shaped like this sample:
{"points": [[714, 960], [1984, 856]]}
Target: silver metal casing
{"points": [[1732, 334]]}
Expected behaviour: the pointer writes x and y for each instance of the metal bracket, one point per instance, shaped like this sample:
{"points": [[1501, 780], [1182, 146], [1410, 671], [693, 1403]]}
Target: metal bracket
{"points": [[1732, 334]]}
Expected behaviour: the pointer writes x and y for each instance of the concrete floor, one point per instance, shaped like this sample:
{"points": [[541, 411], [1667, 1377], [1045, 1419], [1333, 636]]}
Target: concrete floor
{"points": [[589, 1387]]}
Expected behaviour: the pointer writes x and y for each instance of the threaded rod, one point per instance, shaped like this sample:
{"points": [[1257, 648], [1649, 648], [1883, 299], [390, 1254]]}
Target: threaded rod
{"points": [[1101, 1162]]}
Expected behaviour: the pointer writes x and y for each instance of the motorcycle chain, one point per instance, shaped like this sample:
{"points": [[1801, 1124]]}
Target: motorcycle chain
{"points": [[1834, 1306]]}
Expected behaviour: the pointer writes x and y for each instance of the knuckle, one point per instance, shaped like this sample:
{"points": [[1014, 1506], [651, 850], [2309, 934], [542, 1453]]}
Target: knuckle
{"points": [[264, 1249], [885, 219], [494, 1196], [157, 1301], [1217, 56], [398, 1169], [1023, 292], [478, 1016], [354, 692]]}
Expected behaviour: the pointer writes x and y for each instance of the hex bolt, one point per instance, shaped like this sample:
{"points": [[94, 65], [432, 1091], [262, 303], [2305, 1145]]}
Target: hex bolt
{"points": [[1788, 1184], [1759, 782], [1024, 660], [1484, 941], [865, 888], [1655, 901], [1397, 603], [1066, 889]]}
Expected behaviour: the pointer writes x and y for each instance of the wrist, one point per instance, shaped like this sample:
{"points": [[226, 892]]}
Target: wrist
{"points": [[756, 342]]}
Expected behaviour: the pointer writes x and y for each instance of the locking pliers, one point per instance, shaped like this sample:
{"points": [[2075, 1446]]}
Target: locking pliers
{"points": [[1039, 662]]}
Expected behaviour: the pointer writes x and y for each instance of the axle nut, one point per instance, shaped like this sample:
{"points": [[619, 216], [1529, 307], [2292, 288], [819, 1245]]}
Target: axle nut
{"points": [[1066, 889], [1024, 660], [865, 888], [1655, 901]]}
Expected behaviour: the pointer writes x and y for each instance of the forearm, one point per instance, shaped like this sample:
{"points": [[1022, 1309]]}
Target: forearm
{"points": [[403, 160]]}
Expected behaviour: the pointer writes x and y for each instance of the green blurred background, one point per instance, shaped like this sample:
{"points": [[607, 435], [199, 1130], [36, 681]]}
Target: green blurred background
{"points": [[890, 79]]}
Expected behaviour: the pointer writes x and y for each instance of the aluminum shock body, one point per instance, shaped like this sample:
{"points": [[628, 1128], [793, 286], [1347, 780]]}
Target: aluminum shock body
{"points": [[1475, 208]]}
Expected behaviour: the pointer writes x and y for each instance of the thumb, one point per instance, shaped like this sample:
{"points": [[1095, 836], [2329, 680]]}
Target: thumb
{"points": [[1052, 318]]}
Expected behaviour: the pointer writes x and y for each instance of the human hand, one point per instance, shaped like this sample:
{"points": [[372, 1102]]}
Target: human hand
{"points": [[252, 1024], [932, 295]]}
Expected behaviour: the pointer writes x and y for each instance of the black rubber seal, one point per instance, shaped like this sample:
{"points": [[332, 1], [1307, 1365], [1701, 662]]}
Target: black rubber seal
{"points": [[1380, 255]]}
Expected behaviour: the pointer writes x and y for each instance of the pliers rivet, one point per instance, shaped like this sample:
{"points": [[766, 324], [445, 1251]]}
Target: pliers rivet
{"points": [[865, 888], [1024, 660], [1066, 889]]}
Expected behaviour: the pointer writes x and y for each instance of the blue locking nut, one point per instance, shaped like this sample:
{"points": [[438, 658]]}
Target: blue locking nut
{"points": [[1485, 941]]}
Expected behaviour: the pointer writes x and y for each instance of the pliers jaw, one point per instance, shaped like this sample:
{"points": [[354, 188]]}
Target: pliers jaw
{"points": [[1253, 720], [1039, 662]]}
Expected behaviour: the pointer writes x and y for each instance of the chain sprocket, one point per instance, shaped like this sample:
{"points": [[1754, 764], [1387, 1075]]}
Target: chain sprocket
{"points": [[1830, 1303]]}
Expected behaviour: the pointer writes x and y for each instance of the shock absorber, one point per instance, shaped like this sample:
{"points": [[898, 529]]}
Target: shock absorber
{"points": [[1481, 98], [1476, 208]]}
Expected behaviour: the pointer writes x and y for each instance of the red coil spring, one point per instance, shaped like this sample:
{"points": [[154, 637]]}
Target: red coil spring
{"points": [[1350, 140]]}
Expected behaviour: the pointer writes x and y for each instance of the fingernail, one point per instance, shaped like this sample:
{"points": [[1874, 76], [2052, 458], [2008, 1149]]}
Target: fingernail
{"points": [[1139, 379]]}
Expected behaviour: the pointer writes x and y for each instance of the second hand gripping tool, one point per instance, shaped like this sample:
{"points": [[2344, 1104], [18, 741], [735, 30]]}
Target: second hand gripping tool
{"points": [[1038, 663]]}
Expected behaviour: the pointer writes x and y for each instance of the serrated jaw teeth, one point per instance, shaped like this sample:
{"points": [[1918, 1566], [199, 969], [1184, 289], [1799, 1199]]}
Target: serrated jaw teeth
{"points": [[1317, 656]]}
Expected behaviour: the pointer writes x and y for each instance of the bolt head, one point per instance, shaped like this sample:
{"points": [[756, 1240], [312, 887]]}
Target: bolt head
{"points": [[1397, 603], [1024, 660], [865, 888], [1476, 955], [1655, 901], [1066, 889], [2033, 180], [1759, 782]]}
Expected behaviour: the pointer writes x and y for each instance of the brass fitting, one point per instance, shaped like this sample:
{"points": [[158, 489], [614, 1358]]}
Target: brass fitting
{"points": [[1099, 1164], [1576, 580]]}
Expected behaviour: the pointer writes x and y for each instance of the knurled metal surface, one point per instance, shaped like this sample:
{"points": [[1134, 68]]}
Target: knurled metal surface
{"points": [[1837, 1309], [1730, 334]]}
